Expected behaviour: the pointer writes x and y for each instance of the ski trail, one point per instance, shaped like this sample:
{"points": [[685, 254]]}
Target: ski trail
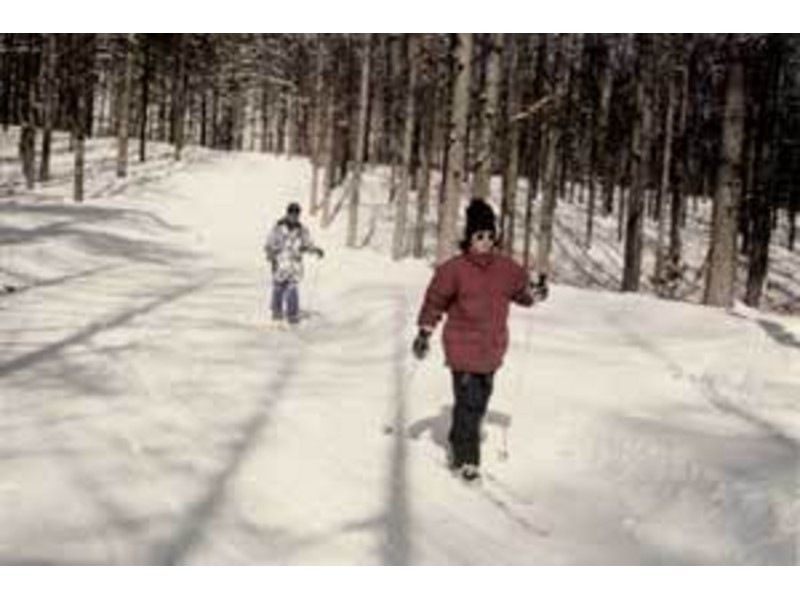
{"points": [[150, 414]]}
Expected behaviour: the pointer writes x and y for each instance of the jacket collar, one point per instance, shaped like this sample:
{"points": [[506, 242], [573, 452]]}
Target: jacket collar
{"points": [[482, 260], [289, 224]]}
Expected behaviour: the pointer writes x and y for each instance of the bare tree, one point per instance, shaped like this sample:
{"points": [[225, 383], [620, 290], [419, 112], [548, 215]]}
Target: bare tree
{"points": [[599, 147], [82, 52], [454, 174], [536, 147], [352, 222], [721, 272], [145, 98], [678, 209], [179, 95], [640, 151], [329, 151], [401, 214], [316, 125], [658, 273], [48, 86], [428, 117], [512, 132], [124, 108], [767, 95], [554, 132], [487, 118], [27, 113]]}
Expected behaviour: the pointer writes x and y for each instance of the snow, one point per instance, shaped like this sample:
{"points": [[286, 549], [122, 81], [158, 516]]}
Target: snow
{"points": [[151, 415]]}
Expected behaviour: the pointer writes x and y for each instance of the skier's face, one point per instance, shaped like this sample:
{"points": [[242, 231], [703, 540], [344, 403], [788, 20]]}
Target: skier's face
{"points": [[293, 215], [482, 241]]}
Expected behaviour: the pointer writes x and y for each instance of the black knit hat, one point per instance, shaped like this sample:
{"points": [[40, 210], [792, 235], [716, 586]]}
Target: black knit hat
{"points": [[480, 217], [293, 207]]}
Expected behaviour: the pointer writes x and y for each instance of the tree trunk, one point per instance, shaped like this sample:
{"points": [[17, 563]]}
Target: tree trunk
{"points": [[537, 139], [316, 126], [760, 213], [428, 116], [238, 118], [598, 159], [393, 77], [530, 195], [27, 140], [6, 83], [352, 221], [27, 116], [721, 273], [79, 158], [27, 151], [401, 215], [291, 127], [204, 117], [511, 170], [454, 174], [17, 84], [48, 101], [442, 133], [659, 273], [622, 209], [265, 121], [640, 152], [330, 152], [164, 121], [603, 162], [387, 104], [762, 182], [565, 157], [103, 96], [77, 131], [554, 135], [179, 96], [124, 110], [89, 84], [145, 101], [678, 211], [487, 120]]}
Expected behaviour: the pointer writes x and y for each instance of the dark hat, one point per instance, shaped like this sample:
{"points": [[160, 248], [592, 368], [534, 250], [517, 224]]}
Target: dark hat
{"points": [[480, 217], [293, 207]]}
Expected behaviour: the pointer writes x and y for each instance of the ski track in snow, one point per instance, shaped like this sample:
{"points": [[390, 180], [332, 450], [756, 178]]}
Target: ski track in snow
{"points": [[151, 415]]}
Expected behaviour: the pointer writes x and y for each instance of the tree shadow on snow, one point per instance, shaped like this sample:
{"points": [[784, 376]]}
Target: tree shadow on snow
{"points": [[196, 518], [737, 489], [76, 223], [779, 334], [123, 317]]}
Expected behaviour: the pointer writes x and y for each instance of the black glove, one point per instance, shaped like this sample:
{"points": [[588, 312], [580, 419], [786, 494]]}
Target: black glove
{"points": [[318, 252], [421, 345], [540, 290]]}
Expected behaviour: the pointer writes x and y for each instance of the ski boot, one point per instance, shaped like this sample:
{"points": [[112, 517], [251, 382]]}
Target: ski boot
{"points": [[470, 472]]}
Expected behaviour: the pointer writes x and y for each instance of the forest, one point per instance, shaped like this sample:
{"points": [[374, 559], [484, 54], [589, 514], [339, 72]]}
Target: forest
{"points": [[637, 128]]}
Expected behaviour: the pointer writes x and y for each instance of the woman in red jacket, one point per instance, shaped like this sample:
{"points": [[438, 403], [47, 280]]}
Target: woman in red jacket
{"points": [[474, 289]]}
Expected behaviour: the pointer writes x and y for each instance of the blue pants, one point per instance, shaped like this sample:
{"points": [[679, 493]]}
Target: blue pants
{"points": [[285, 293]]}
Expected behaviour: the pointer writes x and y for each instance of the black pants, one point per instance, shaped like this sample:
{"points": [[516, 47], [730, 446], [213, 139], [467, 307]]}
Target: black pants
{"points": [[472, 392]]}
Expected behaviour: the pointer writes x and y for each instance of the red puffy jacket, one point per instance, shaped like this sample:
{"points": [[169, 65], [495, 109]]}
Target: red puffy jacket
{"points": [[475, 290]]}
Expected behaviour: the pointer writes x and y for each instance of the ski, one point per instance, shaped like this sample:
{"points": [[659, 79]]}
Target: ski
{"points": [[490, 487]]}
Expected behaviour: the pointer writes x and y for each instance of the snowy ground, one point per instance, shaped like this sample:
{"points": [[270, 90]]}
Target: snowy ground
{"points": [[149, 415]]}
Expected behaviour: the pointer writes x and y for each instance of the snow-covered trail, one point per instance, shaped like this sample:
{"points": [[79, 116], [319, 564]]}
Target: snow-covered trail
{"points": [[150, 416]]}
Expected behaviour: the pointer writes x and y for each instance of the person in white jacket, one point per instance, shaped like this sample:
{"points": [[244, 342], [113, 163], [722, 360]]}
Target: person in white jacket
{"points": [[284, 248]]}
